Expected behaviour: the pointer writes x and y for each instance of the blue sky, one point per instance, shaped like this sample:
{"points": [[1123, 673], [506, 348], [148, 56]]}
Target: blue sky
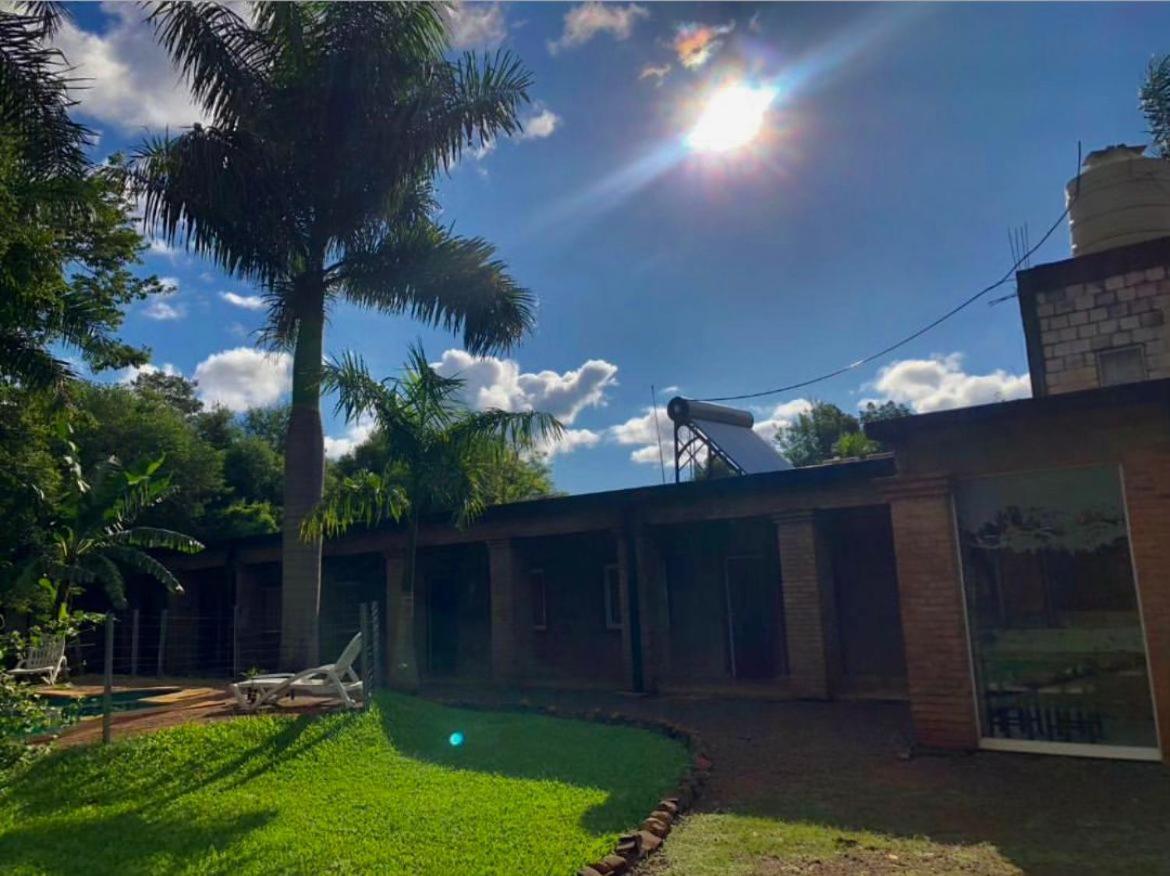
{"points": [[903, 144]]}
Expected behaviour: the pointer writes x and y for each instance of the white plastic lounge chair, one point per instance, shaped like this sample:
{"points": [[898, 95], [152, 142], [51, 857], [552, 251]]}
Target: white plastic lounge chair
{"points": [[46, 660], [331, 680]]}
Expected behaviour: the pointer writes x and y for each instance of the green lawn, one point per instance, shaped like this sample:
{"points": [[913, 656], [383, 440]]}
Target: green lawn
{"points": [[381, 791], [726, 844]]}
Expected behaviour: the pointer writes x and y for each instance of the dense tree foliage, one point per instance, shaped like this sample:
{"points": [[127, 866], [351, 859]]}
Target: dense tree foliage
{"points": [[826, 432], [66, 243]]}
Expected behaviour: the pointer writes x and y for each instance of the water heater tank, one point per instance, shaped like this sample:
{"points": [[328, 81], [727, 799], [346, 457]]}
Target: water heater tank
{"points": [[1121, 197]]}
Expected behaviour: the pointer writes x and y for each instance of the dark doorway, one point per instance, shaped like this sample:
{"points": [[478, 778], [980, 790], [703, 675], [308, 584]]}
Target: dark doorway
{"points": [[751, 600], [865, 579], [458, 612]]}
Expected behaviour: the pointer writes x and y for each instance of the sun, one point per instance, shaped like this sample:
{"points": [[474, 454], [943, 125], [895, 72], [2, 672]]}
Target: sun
{"points": [[732, 118]]}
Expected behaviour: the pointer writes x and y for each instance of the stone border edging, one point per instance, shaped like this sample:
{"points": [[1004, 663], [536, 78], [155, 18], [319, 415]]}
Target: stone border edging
{"points": [[648, 837]]}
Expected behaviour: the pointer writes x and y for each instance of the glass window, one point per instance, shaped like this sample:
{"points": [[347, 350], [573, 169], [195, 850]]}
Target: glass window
{"points": [[539, 599], [1126, 365], [613, 597], [1056, 635]]}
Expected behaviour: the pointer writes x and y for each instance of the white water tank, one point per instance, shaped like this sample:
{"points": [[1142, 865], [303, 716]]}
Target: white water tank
{"points": [[1121, 197]]}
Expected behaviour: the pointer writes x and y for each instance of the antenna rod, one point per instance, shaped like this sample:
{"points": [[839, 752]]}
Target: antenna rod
{"points": [[657, 432]]}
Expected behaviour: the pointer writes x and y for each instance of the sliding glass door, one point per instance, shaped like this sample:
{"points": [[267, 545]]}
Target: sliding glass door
{"points": [[1056, 634]]}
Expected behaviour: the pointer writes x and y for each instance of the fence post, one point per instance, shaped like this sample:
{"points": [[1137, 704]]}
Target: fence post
{"points": [[162, 640], [364, 623], [376, 648], [236, 641], [107, 699], [134, 642]]}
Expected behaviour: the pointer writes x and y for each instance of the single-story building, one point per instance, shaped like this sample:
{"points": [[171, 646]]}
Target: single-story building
{"points": [[1004, 568]]}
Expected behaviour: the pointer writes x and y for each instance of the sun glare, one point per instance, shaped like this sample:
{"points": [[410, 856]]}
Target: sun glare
{"points": [[732, 118]]}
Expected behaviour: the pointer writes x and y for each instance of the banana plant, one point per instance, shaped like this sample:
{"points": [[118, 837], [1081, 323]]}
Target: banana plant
{"points": [[94, 538]]}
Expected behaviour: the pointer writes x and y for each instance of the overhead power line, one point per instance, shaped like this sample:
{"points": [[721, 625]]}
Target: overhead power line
{"points": [[910, 337]]}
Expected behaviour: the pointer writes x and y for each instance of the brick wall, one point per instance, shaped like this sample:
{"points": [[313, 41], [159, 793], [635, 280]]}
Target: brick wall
{"points": [[806, 590], [1147, 496], [938, 667], [1077, 322]]}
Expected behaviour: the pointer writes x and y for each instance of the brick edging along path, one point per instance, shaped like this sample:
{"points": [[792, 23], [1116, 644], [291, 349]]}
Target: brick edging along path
{"points": [[634, 846]]}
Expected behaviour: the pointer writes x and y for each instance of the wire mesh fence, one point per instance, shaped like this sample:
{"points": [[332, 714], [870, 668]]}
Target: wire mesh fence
{"points": [[214, 646]]}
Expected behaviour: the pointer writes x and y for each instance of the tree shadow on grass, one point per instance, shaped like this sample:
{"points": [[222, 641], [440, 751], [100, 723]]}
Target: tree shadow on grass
{"points": [[126, 843], [161, 768], [633, 768]]}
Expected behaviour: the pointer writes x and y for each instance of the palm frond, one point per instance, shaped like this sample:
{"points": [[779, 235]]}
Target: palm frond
{"points": [[217, 192], [522, 430], [367, 499], [222, 58], [443, 280]]}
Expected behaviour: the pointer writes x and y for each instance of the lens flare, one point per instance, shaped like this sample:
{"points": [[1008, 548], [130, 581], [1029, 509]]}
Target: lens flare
{"points": [[732, 118], [456, 739]]}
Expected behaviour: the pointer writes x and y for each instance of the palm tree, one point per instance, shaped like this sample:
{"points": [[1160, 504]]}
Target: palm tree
{"points": [[93, 538], [314, 178], [440, 460]]}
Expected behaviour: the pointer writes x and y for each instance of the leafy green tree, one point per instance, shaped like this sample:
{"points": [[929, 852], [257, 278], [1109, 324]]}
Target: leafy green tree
{"points": [[314, 179], [95, 538], [136, 427], [66, 242], [1155, 103], [269, 424], [33, 466], [512, 477], [439, 460], [826, 432], [810, 439], [887, 410], [173, 389]]}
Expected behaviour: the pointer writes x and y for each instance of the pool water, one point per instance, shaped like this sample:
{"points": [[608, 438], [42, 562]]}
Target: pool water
{"points": [[73, 708]]}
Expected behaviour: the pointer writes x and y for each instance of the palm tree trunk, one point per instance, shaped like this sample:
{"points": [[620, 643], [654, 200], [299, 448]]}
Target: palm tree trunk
{"points": [[404, 666], [304, 480]]}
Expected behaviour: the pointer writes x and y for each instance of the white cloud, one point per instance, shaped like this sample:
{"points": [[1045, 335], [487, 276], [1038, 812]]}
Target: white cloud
{"points": [[162, 311], [336, 446], [170, 285], [540, 125], [657, 72], [783, 415], [244, 378], [130, 373], [474, 25], [646, 431], [570, 440], [248, 302], [499, 383], [585, 21], [940, 382], [129, 79]]}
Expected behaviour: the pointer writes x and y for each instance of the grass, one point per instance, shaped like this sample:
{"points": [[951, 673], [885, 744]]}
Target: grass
{"points": [[381, 791], [726, 844]]}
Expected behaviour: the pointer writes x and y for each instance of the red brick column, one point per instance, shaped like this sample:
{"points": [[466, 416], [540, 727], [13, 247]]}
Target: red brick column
{"points": [[930, 593], [400, 647], [503, 568], [803, 585], [1147, 499]]}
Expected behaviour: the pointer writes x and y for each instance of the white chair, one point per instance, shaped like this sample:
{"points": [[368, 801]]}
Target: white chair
{"points": [[46, 660], [331, 680]]}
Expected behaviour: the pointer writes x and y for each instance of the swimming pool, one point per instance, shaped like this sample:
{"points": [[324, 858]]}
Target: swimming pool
{"points": [[71, 708]]}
